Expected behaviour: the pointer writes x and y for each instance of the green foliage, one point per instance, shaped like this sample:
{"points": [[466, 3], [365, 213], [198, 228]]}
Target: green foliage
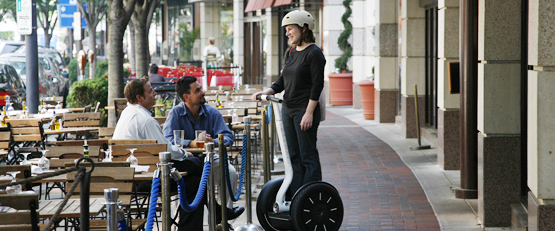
{"points": [[67, 59], [101, 69], [6, 35], [342, 41], [73, 70], [126, 73], [186, 40], [89, 92]]}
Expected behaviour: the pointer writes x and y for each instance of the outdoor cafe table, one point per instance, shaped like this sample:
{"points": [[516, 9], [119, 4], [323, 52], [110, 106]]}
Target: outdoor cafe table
{"points": [[70, 130], [47, 208]]}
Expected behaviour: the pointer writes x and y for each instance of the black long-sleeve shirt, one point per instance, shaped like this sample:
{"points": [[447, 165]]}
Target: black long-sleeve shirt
{"points": [[302, 77]]}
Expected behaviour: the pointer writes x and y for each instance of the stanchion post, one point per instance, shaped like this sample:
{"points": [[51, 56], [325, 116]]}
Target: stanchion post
{"points": [[85, 195], [165, 166], [211, 192], [223, 188], [265, 152], [248, 193], [111, 195]]}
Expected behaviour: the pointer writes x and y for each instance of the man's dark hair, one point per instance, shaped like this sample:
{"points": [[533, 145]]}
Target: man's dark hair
{"points": [[133, 88], [154, 69], [183, 86]]}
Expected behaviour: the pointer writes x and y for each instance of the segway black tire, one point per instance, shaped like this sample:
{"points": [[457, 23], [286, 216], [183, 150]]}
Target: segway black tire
{"points": [[317, 206], [265, 204]]}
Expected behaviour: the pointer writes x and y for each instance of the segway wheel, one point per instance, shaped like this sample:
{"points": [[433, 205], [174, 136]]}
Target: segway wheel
{"points": [[317, 206], [265, 204]]}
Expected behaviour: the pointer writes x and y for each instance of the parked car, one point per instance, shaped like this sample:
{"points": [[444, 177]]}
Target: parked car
{"points": [[11, 85], [10, 46], [57, 81], [47, 87], [52, 53]]}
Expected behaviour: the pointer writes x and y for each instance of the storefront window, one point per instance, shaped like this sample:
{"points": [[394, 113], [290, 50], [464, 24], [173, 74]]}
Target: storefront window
{"points": [[226, 20]]}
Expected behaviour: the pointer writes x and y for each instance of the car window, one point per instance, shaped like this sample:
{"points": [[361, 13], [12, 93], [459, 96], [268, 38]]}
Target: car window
{"points": [[44, 63], [15, 77], [3, 77], [9, 48]]}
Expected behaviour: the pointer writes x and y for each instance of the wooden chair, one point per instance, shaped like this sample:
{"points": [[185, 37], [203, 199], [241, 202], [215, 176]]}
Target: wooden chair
{"points": [[120, 152], [117, 142], [5, 140], [97, 107], [23, 215], [26, 134], [224, 88], [59, 155], [105, 133], [24, 172], [85, 119], [110, 177], [119, 105]]}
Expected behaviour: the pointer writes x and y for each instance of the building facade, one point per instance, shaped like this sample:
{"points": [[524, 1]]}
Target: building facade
{"points": [[482, 68]]}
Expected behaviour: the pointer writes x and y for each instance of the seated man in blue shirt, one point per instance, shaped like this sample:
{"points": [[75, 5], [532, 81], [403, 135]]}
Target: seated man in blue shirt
{"points": [[195, 114]]}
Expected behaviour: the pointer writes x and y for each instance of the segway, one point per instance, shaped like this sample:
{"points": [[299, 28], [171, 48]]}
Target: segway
{"points": [[315, 206]]}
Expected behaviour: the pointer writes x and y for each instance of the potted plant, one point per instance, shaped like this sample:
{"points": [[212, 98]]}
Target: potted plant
{"points": [[367, 96], [341, 84]]}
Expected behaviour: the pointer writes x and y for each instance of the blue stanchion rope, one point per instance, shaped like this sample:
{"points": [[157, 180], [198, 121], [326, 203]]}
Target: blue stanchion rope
{"points": [[242, 176], [269, 113], [122, 225], [154, 192], [200, 193]]}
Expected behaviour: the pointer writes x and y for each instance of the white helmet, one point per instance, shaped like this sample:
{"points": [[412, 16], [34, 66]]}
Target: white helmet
{"points": [[299, 17]]}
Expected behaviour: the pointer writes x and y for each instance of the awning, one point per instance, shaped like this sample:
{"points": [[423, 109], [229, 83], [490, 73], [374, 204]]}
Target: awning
{"points": [[255, 5], [282, 2]]}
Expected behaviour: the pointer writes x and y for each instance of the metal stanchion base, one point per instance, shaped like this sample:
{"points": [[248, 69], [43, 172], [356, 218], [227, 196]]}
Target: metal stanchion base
{"points": [[421, 147], [248, 227]]}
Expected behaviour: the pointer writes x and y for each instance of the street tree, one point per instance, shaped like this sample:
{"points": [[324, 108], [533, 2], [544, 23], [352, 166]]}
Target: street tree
{"points": [[96, 10], [144, 9], [7, 8], [47, 17], [119, 14]]}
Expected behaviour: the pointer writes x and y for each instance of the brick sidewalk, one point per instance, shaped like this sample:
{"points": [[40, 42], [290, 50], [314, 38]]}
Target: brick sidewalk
{"points": [[378, 190]]}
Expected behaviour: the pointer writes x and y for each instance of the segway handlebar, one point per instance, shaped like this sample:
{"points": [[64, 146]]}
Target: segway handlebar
{"points": [[269, 98]]}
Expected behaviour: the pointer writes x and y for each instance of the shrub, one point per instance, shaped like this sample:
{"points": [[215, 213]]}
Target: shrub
{"points": [[341, 62], [89, 92], [102, 69], [73, 70]]}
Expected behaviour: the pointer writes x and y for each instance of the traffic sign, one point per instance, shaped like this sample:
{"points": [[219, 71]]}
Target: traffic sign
{"points": [[24, 17], [66, 11]]}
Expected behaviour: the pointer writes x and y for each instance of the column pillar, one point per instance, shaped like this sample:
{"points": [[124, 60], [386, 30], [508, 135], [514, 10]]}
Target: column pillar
{"points": [[238, 32], [361, 69], [412, 64], [541, 107], [209, 23], [448, 126], [386, 69], [499, 60], [273, 28]]}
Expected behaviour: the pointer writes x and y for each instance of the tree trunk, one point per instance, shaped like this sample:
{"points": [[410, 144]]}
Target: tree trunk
{"points": [[92, 46], [47, 37], [131, 54], [115, 67], [70, 44], [141, 49]]}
